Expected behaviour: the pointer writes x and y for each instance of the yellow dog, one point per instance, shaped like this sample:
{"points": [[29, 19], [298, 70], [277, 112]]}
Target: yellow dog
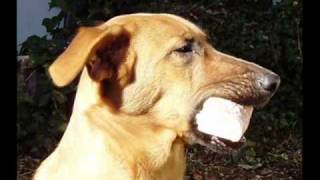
{"points": [[145, 79]]}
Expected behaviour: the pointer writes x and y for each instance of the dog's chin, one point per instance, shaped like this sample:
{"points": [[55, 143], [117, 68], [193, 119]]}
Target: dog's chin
{"points": [[220, 124]]}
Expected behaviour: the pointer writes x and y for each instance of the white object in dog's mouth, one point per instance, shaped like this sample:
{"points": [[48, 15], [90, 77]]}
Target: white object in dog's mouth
{"points": [[223, 118]]}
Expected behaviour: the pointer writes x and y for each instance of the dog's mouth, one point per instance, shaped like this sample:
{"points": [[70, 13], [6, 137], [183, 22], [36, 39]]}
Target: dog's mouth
{"points": [[220, 124]]}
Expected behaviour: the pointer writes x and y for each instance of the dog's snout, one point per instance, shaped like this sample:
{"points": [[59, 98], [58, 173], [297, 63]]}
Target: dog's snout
{"points": [[269, 82]]}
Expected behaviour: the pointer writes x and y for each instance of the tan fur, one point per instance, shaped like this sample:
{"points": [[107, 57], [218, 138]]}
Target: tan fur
{"points": [[135, 99]]}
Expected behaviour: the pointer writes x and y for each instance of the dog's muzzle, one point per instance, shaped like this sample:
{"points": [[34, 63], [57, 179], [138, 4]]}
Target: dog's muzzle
{"points": [[220, 122]]}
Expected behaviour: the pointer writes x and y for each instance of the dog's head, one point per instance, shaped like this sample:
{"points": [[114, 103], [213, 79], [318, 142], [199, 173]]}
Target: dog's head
{"points": [[163, 66]]}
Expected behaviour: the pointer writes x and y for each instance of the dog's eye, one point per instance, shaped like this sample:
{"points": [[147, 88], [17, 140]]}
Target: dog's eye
{"points": [[186, 48]]}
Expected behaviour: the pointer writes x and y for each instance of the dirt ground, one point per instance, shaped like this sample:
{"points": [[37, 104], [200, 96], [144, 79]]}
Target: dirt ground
{"points": [[278, 159]]}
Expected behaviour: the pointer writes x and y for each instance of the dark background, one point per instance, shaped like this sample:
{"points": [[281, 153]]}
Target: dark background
{"points": [[266, 32]]}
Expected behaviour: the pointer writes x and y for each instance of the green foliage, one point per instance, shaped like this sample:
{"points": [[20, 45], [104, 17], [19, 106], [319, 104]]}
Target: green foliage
{"points": [[52, 23], [267, 34], [41, 107]]}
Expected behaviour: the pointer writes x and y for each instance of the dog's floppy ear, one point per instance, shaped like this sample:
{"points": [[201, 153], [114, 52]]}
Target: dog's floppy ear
{"points": [[82, 48]]}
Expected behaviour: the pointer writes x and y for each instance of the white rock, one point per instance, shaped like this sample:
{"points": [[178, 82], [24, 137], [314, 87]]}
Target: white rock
{"points": [[224, 118]]}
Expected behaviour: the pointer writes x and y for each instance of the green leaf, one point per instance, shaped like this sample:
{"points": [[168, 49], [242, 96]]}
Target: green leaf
{"points": [[61, 99], [62, 127], [284, 123], [51, 23], [251, 152], [54, 3]]}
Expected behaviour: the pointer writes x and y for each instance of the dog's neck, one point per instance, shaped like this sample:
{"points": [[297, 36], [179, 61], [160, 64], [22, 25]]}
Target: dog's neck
{"points": [[148, 153], [152, 149]]}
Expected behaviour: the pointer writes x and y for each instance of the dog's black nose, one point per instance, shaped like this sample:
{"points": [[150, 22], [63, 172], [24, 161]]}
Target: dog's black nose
{"points": [[270, 82]]}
